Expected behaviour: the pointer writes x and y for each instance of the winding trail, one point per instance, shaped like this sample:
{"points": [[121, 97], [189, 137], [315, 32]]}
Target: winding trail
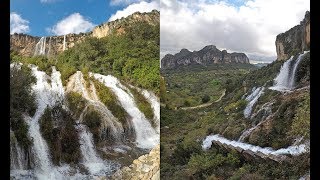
{"points": [[206, 104]]}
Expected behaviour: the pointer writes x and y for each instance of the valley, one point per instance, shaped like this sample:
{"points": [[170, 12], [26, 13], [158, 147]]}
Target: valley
{"points": [[259, 130]]}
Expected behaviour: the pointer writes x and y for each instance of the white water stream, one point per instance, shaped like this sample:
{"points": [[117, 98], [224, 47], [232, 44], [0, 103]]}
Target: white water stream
{"points": [[293, 150], [252, 99], [146, 136], [285, 80]]}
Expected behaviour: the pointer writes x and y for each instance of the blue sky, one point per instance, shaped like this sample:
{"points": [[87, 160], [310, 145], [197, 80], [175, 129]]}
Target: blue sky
{"points": [[42, 17]]}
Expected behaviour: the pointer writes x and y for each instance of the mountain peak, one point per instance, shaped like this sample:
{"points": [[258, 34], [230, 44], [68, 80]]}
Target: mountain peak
{"points": [[207, 55]]}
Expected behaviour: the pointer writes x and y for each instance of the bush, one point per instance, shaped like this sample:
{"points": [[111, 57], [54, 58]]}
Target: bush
{"points": [[57, 128], [205, 99], [76, 103], [301, 123], [93, 120], [108, 98], [143, 104]]}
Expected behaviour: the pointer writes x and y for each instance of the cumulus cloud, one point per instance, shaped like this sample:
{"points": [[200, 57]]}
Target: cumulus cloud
{"points": [[141, 7], [123, 2], [18, 24], [75, 23], [250, 28]]}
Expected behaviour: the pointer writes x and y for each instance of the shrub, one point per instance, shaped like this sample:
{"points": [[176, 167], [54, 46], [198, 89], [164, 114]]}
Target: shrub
{"points": [[108, 98], [205, 99], [301, 122], [93, 120], [76, 103], [143, 104], [57, 128]]}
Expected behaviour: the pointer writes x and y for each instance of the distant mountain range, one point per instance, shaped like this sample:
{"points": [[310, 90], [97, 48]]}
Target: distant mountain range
{"points": [[208, 55]]}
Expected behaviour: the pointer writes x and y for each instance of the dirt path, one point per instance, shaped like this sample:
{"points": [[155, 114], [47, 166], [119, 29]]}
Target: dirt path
{"points": [[206, 104]]}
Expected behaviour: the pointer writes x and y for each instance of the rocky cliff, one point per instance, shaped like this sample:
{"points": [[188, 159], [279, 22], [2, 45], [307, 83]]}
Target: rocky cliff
{"points": [[52, 45], [295, 40], [145, 167], [208, 55]]}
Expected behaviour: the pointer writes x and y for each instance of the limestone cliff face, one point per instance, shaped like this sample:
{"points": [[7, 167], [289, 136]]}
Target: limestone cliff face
{"points": [[208, 55], [25, 44], [118, 26], [145, 167], [295, 40]]}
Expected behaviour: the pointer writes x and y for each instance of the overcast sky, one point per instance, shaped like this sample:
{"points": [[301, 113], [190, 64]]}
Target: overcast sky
{"points": [[235, 25]]}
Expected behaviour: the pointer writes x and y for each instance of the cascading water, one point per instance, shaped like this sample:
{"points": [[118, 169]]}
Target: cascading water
{"points": [[292, 150], [91, 160], [64, 42], [252, 99], [48, 53], [78, 84], [154, 101], [40, 47], [17, 156], [155, 105], [46, 95], [285, 80], [266, 109], [146, 136]]}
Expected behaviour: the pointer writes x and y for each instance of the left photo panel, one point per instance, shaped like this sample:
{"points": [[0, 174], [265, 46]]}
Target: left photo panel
{"points": [[84, 89]]}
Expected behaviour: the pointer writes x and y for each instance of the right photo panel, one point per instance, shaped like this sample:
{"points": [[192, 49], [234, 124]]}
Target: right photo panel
{"points": [[235, 89]]}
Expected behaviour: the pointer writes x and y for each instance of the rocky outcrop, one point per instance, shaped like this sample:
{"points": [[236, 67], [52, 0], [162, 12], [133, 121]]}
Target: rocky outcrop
{"points": [[145, 167], [25, 44], [208, 55], [295, 40]]}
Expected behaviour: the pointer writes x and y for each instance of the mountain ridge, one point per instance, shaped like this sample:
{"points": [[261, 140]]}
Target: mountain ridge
{"points": [[25, 44], [207, 55]]}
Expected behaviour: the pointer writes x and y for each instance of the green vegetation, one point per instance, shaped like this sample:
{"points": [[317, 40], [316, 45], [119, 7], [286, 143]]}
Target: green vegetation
{"points": [[182, 131], [93, 120], [22, 100], [191, 86], [57, 128], [143, 104], [76, 103], [301, 122], [108, 98], [132, 56]]}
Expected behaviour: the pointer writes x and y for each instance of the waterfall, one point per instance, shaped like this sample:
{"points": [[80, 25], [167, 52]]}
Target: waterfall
{"points": [[154, 101], [46, 95], [48, 53], [91, 160], [18, 160], [252, 99], [155, 105], [146, 136], [64, 42], [78, 84], [292, 150], [40, 47], [266, 109], [285, 80]]}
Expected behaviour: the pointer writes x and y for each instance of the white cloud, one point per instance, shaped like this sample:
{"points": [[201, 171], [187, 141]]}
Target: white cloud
{"points": [[75, 23], [123, 2], [250, 28], [47, 1], [18, 24], [141, 7]]}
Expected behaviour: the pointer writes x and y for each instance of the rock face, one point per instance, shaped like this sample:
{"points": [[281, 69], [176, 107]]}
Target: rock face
{"points": [[208, 55], [25, 44], [295, 40], [145, 167]]}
